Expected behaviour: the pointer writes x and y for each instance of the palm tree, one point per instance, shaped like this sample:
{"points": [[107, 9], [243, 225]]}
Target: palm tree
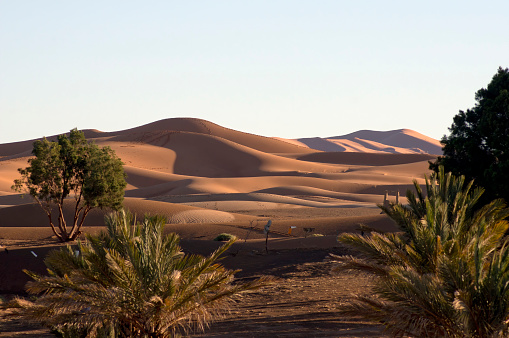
{"points": [[132, 281], [446, 273]]}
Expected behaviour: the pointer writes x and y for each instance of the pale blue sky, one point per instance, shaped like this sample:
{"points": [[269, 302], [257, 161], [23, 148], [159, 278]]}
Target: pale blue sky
{"points": [[274, 68]]}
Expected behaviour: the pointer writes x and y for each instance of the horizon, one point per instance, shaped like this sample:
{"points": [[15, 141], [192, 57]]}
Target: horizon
{"points": [[181, 117], [290, 69]]}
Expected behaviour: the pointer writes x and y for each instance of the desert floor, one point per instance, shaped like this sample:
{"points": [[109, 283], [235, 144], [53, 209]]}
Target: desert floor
{"points": [[303, 302]]}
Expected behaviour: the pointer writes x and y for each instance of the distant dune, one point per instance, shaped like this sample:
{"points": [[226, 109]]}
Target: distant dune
{"points": [[401, 141], [195, 171]]}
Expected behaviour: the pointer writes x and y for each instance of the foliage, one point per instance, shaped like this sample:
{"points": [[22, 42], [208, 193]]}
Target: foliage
{"points": [[446, 274], [71, 331], [134, 280], [479, 139], [225, 237], [71, 166]]}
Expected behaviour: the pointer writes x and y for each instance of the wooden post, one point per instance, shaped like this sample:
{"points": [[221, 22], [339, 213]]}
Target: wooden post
{"points": [[267, 230], [386, 199]]}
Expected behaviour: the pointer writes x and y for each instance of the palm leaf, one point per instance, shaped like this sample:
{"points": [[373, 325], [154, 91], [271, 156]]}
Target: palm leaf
{"points": [[134, 280]]}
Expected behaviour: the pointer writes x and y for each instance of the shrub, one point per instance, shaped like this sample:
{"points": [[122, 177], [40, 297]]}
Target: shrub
{"points": [[225, 237], [317, 235]]}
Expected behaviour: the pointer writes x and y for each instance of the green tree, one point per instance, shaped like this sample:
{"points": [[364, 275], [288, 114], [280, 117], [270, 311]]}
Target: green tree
{"points": [[72, 167], [134, 281], [446, 273], [478, 144]]}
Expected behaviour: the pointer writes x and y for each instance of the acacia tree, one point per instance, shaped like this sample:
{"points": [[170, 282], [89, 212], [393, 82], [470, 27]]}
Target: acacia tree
{"points": [[71, 166], [479, 141]]}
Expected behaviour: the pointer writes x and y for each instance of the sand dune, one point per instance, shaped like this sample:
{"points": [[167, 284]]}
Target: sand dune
{"points": [[360, 158], [201, 155], [195, 171], [9, 172], [265, 144], [159, 130], [31, 215], [401, 141]]}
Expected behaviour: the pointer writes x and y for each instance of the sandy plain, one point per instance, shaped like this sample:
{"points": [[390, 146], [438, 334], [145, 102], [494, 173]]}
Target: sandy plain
{"points": [[207, 179]]}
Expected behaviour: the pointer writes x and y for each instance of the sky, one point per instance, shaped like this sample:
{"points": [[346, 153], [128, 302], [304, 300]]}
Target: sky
{"points": [[284, 68]]}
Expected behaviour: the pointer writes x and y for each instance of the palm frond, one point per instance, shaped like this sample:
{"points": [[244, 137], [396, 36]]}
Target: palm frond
{"points": [[447, 273], [135, 280]]}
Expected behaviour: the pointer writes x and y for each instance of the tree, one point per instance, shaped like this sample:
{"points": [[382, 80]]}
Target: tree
{"points": [[72, 167], [478, 144], [446, 273], [132, 280]]}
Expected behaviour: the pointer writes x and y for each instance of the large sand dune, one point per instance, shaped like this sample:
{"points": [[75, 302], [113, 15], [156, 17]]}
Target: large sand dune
{"points": [[195, 171]]}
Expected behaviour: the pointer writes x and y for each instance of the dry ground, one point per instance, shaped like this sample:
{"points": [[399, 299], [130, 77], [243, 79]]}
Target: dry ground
{"points": [[304, 302]]}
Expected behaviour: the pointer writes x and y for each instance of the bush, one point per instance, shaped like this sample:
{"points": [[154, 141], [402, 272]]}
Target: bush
{"points": [[224, 237]]}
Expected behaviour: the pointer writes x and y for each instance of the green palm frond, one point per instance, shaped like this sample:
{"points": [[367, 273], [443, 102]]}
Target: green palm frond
{"points": [[446, 274], [133, 280], [380, 248]]}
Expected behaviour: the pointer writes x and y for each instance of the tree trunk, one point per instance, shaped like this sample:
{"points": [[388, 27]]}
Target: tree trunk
{"points": [[78, 223], [47, 210]]}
